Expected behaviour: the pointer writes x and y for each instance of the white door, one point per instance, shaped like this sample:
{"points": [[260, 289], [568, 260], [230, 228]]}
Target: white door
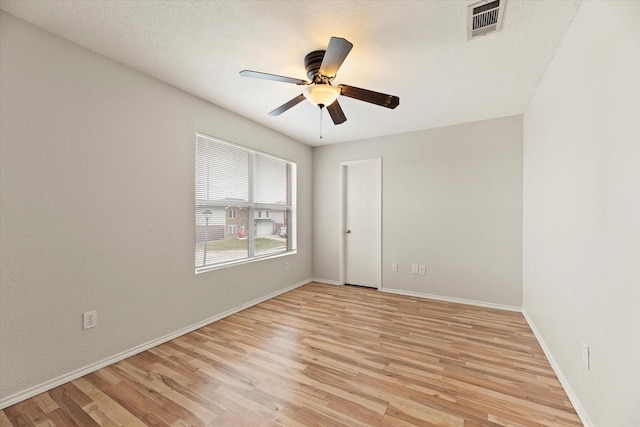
{"points": [[361, 226]]}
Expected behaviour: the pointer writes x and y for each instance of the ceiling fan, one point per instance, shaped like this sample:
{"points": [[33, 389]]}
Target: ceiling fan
{"points": [[322, 67]]}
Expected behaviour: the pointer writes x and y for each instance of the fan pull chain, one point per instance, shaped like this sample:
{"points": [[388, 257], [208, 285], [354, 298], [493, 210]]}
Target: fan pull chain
{"points": [[320, 122]]}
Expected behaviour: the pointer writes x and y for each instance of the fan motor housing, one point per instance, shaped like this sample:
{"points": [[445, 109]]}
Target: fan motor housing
{"points": [[312, 63]]}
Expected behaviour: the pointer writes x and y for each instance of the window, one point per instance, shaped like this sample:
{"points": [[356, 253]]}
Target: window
{"points": [[229, 175]]}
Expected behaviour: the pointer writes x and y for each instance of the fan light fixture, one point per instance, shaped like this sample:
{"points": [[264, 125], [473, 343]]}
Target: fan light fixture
{"points": [[321, 95]]}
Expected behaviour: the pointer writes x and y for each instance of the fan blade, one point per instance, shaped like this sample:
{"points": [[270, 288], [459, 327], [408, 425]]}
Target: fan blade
{"points": [[267, 76], [365, 95], [284, 107], [336, 113], [337, 51]]}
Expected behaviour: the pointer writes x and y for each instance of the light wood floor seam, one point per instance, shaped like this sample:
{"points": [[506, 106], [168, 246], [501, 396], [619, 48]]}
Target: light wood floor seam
{"points": [[323, 355]]}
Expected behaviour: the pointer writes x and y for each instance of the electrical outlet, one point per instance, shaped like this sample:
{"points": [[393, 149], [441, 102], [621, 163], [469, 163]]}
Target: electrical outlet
{"points": [[90, 319], [414, 269], [394, 267], [423, 270], [286, 266], [586, 355]]}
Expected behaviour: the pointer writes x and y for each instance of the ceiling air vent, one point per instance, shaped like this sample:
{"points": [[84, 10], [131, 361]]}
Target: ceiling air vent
{"points": [[484, 17]]}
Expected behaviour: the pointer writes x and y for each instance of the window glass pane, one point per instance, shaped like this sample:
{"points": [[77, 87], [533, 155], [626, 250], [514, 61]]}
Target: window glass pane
{"points": [[214, 243], [271, 180], [271, 232]]}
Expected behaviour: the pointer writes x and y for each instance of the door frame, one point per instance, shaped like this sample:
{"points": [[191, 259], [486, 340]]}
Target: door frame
{"points": [[342, 219]]}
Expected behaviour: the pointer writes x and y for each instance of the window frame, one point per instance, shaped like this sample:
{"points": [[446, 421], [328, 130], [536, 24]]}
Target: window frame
{"points": [[289, 209]]}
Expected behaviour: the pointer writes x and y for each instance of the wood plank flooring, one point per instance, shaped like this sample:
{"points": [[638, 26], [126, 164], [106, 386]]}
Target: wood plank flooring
{"points": [[324, 355]]}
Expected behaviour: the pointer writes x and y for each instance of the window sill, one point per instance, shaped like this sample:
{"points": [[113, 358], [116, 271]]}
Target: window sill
{"points": [[244, 261]]}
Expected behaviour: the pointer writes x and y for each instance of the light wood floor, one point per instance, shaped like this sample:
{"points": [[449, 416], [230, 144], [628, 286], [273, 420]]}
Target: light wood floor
{"points": [[324, 355]]}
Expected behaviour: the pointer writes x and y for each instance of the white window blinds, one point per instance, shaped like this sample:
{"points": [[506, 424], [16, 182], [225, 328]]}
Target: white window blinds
{"points": [[245, 204]]}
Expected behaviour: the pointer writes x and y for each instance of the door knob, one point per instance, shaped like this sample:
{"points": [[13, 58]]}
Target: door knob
{"points": [[348, 231]]}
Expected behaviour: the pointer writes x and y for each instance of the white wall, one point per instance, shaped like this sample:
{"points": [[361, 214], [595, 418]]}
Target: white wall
{"points": [[452, 200], [97, 209], [581, 268]]}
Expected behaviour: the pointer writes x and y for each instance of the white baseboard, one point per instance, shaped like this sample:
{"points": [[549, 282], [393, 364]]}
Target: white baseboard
{"points": [[326, 281], [63, 379], [556, 369], [451, 299]]}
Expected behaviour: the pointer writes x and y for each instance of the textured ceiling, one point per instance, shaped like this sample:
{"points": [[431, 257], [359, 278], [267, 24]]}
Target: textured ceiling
{"points": [[417, 50]]}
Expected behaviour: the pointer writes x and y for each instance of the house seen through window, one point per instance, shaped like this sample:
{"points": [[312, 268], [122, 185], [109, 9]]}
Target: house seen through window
{"points": [[245, 204]]}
